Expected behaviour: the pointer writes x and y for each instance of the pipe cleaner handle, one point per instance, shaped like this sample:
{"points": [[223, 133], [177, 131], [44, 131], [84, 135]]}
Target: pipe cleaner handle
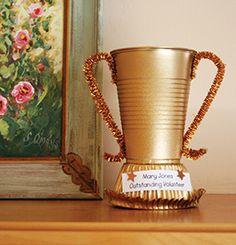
{"points": [[188, 152], [100, 103]]}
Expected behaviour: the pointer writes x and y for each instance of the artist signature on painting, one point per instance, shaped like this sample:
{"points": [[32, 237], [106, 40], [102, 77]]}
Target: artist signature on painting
{"points": [[40, 139]]}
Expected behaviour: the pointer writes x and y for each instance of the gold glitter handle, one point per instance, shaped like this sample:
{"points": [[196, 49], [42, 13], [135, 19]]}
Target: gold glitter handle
{"points": [[101, 104], [187, 152]]}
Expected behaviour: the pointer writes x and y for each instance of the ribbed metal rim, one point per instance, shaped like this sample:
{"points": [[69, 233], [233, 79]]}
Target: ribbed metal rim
{"points": [[149, 48]]}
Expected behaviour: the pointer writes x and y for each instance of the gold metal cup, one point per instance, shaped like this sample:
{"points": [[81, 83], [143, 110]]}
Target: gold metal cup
{"points": [[153, 86]]}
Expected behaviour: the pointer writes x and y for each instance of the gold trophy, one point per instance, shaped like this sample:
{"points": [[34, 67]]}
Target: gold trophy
{"points": [[153, 86]]}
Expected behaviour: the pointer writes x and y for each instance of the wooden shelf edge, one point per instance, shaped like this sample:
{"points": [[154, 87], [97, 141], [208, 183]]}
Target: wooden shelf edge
{"points": [[117, 227]]}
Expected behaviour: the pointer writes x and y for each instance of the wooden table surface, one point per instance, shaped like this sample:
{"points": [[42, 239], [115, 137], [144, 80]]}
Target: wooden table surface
{"points": [[65, 221]]}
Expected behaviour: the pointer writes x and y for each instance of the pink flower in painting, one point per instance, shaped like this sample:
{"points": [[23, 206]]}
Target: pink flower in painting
{"points": [[35, 10], [22, 38], [41, 67], [16, 56], [23, 92], [3, 105]]}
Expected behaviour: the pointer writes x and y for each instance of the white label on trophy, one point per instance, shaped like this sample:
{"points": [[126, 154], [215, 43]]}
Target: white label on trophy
{"points": [[171, 180]]}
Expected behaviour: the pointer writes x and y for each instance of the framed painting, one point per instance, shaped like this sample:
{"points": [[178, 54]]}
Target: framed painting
{"points": [[50, 135]]}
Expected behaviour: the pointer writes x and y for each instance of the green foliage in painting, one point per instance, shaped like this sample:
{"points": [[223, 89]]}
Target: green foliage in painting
{"points": [[30, 77]]}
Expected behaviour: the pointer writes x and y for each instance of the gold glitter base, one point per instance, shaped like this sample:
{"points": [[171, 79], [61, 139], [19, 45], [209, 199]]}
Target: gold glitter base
{"points": [[154, 200]]}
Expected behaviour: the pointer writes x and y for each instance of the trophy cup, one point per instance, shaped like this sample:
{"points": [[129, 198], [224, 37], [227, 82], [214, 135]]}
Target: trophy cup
{"points": [[153, 86]]}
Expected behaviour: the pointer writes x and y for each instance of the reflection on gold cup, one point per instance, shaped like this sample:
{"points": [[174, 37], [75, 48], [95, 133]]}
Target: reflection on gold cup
{"points": [[153, 86]]}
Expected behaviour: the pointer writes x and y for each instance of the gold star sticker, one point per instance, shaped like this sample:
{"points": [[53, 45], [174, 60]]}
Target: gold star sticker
{"points": [[180, 174], [131, 176]]}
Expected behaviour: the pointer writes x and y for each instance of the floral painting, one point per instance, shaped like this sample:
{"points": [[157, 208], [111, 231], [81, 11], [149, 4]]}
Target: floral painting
{"points": [[31, 54]]}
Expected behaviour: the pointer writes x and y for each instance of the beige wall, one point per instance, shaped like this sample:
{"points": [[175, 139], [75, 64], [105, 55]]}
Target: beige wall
{"points": [[201, 25]]}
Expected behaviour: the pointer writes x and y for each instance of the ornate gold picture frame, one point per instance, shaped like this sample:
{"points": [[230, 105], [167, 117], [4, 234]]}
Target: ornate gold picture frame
{"points": [[76, 172]]}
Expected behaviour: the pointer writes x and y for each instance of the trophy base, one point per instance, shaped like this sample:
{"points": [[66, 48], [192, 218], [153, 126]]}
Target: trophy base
{"points": [[153, 199], [125, 201]]}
